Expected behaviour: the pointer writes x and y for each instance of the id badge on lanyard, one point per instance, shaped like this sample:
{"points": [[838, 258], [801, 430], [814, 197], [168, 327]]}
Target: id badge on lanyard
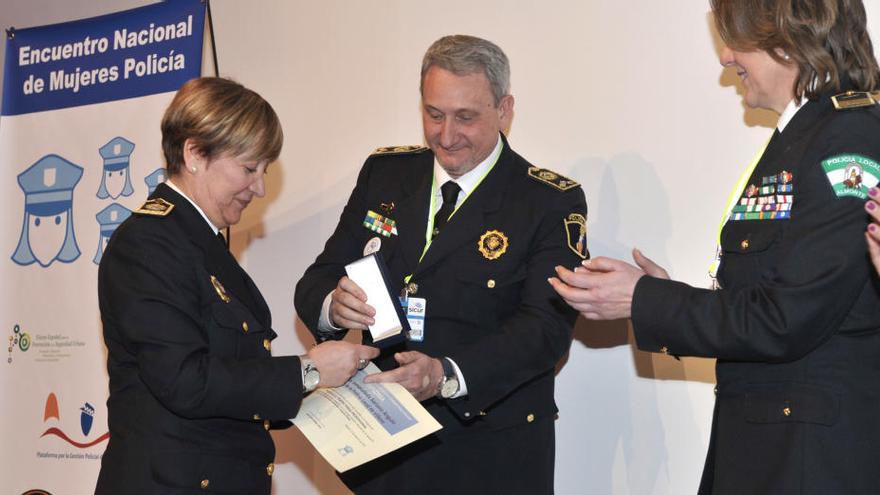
{"points": [[415, 309]]}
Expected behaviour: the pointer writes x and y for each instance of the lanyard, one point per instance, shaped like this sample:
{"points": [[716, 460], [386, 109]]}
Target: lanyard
{"points": [[735, 194], [430, 229]]}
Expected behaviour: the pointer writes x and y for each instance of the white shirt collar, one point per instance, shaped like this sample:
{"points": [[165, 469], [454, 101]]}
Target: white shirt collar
{"points": [[468, 181], [202, 213], [790, 110]]}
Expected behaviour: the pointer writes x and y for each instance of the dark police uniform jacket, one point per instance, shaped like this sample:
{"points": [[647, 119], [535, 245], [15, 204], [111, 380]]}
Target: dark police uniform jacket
{"points": [[192, 382], [796, 325], [498, 319]]}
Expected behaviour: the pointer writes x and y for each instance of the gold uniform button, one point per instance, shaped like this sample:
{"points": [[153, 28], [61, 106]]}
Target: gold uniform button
{"points": [[270, 469], [664, 350], [244, 326], [204, 484], [257, 417], [530, 418], [787, 411], [744, 244], [267, 424], [267, 344], [490, 283]]}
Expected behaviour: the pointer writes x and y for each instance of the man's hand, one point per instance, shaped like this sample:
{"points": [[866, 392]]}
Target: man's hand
{"points": [[348, 306], [602, 288], [418, 373], [338, 360]]}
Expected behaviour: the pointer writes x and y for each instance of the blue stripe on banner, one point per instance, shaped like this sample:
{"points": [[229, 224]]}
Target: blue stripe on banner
{"points": [[138, 52]]}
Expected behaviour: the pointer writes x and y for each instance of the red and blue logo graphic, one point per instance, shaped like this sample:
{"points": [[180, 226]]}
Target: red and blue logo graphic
{"points": [[86, 418]]}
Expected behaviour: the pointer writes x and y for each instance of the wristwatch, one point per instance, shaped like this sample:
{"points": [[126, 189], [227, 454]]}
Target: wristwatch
{"points": [[449, 385], [310, 375]]}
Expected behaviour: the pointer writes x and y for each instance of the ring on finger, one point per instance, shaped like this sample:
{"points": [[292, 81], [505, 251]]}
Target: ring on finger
{"points": [[362, 363]]}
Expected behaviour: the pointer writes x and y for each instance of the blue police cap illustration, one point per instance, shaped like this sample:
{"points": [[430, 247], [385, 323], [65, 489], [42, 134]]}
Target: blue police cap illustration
{"points": [[109, 218], [116, 178], [47, 228], [154, 179]]}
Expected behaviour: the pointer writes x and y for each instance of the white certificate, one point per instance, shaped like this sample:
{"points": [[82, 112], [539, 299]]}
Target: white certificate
{"points": [[358, 422]]}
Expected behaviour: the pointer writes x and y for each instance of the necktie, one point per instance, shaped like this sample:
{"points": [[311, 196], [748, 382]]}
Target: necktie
{"points": [[222, 239], [449, 191]]}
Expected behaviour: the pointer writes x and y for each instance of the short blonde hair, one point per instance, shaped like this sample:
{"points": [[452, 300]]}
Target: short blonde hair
{"points": [[827, 40], [222, 117]]}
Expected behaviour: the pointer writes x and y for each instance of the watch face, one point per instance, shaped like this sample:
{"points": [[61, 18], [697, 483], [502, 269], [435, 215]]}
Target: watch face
{"points": [[311, 379], [450, 387]]}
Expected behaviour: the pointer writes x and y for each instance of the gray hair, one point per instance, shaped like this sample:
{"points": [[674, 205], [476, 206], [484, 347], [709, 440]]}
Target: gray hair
{"points": [[464, 55]]}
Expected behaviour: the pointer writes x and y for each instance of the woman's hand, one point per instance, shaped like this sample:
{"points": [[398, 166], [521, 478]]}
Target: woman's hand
{"points": [[338, 360], [872, 236]]}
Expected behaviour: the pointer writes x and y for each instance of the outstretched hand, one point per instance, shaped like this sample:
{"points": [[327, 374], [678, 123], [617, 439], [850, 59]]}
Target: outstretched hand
{"points": [[602, 288]]}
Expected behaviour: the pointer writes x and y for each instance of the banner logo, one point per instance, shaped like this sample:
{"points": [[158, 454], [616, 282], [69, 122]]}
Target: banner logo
{"points": [[47, 229], [87, 414], [18, 340], [109, 218], [155, 178], [116, 179]]}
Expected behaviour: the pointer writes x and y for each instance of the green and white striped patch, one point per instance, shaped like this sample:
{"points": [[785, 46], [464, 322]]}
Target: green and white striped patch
{"points": [[851, 175]]}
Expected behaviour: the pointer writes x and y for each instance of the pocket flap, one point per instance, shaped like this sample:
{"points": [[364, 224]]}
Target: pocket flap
{"points": [[753, 236], [791, 403], [235, 316], [200, 471], [491, 279]]}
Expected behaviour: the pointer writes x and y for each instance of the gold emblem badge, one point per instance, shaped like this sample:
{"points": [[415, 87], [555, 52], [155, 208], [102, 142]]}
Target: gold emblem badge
{"points": [[493, 244], [547, 175], [576, 231], [221, 291]]}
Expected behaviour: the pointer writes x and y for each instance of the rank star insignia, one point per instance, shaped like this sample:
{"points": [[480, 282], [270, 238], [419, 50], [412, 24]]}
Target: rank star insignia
{"points": [[493, 244], [399, 150], [156, 207], [576, 233], [551, 178], [219, 289]]}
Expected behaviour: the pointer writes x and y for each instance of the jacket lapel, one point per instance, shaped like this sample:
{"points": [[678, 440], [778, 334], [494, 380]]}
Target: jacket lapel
{"points": [[469, 222], [219, 262], [412, 212]]}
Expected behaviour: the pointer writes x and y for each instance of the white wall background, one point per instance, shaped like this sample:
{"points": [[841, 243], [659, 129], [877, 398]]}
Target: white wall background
{"points": [[625, 96]]}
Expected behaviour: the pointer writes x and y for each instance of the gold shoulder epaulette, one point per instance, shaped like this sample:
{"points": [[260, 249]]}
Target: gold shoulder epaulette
{"points": [[399, 150], [551, 178], [156, 207], [854, 99]]}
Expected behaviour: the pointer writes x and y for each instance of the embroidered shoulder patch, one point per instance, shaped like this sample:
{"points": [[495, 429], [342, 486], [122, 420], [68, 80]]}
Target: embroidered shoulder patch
{"points": [[551, 178], [399, 150], [157, 207], [576, 234], [851, 175]]}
